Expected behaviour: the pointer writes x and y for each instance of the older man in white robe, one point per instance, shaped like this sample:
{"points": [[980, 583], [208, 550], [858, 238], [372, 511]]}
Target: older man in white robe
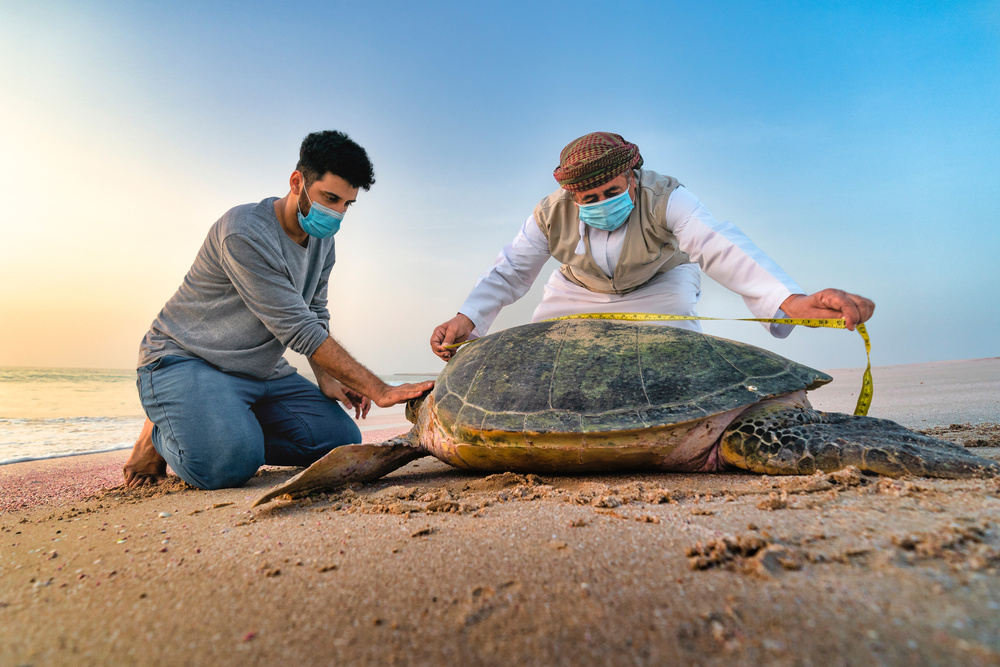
{"points": [[632, 240]]}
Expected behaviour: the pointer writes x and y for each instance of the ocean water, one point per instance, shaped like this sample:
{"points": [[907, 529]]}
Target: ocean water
{"points": [[52, 412]]}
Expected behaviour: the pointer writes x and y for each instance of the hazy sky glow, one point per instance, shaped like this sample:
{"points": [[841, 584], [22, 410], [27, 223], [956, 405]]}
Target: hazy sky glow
{"points": [[857, 143]]}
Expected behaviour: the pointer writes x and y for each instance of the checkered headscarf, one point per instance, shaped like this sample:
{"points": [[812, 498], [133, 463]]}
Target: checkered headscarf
{"points": [[595, 159]]}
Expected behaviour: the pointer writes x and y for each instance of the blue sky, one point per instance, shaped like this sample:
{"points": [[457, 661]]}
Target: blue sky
{"points": [[856, 143]]}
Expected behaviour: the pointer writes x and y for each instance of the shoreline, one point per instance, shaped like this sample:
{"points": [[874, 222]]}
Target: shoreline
{"points": [[30, 459]]}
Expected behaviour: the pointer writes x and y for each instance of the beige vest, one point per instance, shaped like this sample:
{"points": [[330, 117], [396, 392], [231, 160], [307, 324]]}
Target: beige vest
{"points": [[649, 249]]}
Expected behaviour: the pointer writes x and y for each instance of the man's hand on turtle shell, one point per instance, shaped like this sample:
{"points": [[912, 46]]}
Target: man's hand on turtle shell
{"points": [[392, 395], [829, 304]]}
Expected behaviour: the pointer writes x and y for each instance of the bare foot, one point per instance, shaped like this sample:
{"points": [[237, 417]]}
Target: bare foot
{"points": [[144, 465]]}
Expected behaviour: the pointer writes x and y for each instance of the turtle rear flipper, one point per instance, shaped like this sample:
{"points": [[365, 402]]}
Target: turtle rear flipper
{"points": [[348, 464], [775, 439]]}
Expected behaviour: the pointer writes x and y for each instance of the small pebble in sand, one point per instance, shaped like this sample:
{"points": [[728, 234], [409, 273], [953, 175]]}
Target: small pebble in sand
{"points": [[164, 515]]}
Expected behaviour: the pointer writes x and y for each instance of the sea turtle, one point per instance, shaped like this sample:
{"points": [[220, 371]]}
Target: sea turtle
{"points": [[576, 396]]}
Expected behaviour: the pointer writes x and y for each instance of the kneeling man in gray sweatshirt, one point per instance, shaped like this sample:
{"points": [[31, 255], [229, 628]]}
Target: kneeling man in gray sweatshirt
{"points": [[220, 398]]}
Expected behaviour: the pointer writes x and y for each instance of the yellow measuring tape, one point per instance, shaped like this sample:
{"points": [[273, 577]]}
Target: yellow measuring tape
{"points": [[867, 386]]}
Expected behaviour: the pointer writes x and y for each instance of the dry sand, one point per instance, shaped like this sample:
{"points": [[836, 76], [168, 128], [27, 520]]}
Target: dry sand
{"points": [[435, 566]]}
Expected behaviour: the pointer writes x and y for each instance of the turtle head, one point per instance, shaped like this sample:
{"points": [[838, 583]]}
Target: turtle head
{"points": [[413, 406]]}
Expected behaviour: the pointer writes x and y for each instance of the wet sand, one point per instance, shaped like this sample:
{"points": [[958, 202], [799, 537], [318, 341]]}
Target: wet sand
{"points": [[431, 565]]}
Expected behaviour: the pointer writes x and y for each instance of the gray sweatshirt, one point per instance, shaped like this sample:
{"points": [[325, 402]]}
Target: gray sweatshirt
{"points": [[251, 293]]}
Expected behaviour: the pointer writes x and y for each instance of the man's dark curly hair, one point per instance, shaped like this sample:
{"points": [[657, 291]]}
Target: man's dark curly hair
{"points": [[335, 152]]}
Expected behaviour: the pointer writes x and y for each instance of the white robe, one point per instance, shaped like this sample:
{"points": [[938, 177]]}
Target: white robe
{"points": [[720, 249]]}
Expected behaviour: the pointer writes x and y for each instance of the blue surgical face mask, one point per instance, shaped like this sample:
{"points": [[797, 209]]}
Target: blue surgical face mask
{"points": [[321, 222], [608, 214]]}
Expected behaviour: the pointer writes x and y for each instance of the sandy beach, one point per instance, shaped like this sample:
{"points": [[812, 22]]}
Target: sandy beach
{"points": [[432, 565]]}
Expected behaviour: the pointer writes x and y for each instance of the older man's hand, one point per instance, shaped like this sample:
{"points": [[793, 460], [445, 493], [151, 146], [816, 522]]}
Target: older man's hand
{"points": [[829, 304], [455, 330]]}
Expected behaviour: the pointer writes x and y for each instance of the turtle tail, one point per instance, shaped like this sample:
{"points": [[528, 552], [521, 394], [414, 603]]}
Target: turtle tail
{"points": [[778, 440], [349, 464]]}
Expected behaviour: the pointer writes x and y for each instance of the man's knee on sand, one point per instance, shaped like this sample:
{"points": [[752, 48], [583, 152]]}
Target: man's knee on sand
{"points": [[220, 476], [212, 464], [216, 463]]}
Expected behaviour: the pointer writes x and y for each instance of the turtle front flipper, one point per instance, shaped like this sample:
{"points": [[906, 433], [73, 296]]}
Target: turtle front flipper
{"points": [[779, 439], [350, 463]]}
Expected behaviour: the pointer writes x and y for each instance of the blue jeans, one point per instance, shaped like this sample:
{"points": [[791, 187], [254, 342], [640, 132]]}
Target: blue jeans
{"points": [[216, 429]]}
